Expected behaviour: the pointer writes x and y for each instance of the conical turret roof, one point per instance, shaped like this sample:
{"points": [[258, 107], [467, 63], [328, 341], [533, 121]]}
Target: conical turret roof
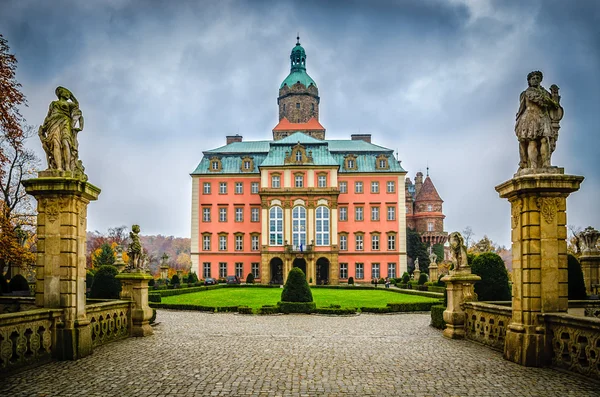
{"points": [[428, 192]]}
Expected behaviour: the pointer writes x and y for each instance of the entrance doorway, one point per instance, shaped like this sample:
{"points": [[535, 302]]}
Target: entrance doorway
{"points": [[300, 263], [276, 271], [322, 271]]}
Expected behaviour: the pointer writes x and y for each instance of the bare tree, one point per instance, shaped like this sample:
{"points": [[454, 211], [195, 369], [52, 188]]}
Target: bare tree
{"points": [[467, 234]]}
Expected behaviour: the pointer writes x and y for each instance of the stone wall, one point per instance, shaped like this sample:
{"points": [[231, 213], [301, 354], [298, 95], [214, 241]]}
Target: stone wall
{"points": [[486, 323]]}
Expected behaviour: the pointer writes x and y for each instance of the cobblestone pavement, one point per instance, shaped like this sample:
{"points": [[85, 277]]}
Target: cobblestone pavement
{"points": [[201, 354]]}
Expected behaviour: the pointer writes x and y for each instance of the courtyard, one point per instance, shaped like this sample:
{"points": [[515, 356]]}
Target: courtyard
{"points": [[200, 354]]}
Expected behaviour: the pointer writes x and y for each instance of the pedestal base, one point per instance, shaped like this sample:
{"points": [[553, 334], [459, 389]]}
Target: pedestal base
{"points": [[460, 289], [526, 346], [135, 288], [73, 343]]}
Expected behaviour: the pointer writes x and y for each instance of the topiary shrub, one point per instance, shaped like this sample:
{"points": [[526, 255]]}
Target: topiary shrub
{"points": [[350, 280], [405, 278], [437, 316], [3, 285], [422, 279], [296, 288], [244, 310], [296, 307], [151, 283], [18, 283], [250, 278], [268, 309], [576, 283], [192, 278], [494, 277], [175, 280], [105, 285]]}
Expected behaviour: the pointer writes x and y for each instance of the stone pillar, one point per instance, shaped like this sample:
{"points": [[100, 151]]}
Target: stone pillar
{"points": [[416, 274], [433, 272], [61, 227], [460, 289], [590, 265], [539, 249], [135, 288]]}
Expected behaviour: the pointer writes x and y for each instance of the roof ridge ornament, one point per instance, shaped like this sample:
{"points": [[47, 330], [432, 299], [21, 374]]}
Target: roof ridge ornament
{"points": [[298, 39]]}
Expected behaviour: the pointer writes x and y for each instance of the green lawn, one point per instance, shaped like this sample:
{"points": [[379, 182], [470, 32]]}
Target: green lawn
{"points": [[256, 297]]}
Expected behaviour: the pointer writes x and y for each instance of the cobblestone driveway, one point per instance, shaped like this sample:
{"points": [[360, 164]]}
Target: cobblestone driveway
{"points": [[200, 354]]}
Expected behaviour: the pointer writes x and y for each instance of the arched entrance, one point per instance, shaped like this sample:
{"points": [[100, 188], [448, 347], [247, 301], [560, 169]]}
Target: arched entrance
{"points": [[301, 263], [322, 271], [276, 271]]}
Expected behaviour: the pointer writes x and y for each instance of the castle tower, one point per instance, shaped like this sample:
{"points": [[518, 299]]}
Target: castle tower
{"points": [[298, 100]]}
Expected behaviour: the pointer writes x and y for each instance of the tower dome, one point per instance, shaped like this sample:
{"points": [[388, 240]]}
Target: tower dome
{"points": [[298, 68]]}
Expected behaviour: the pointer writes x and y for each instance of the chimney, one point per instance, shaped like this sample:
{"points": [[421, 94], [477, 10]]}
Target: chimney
{"points": [[361, 137], [418, 183], [234, 138]]}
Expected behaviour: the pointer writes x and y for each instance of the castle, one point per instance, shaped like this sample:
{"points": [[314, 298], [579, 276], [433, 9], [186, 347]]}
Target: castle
{"points": [[334, 208]]}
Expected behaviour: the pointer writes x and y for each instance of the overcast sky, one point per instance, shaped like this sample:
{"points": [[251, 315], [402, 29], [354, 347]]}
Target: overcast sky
{"points": [[160, 82]]}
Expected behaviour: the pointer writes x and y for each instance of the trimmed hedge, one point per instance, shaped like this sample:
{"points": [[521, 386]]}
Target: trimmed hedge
{"points": [[411, 307], [268, 309], [576, 286], [200, 308], [296, 307], [335, 310], [153, 318], [494, 277], [437, 316], [154, 298], [365, 309], [296, 289], [433, 288], [244, 310], [105, 285]]}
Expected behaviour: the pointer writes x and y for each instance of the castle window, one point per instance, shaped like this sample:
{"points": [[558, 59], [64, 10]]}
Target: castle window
{"points": [[322, 226], [350, 162], [374, 187], [215, 164], [375, 242], [430, 226], [222, 187], [360, 271], [205, 214], [391, 242], [276, 226], [382, 162], [343, 270], [312, 107], [223, 243], [275, 181], [391, 213], [206, 187], [359, 241], [358, 187], [391, 187], [343, 242], [284, 108], [322, 181], [391, 270], [343, 214], [358, 214], [298, 155], [206, 242], [206, 269], [374, 213], [254, 241], [239, 188], [222, 269], [343, 187], [239, 242], [375, 270], [299, 227], [429, 207], [247, 165], [254, 187], [299, 181], [298, 105]]}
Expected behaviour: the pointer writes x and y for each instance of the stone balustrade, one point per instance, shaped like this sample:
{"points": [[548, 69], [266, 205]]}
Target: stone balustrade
{"points": [[486, 323], [27, 337], [109, 321], [575, 343]]}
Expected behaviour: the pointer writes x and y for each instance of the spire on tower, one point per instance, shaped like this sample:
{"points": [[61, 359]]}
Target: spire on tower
{"points": [[298, 39]]}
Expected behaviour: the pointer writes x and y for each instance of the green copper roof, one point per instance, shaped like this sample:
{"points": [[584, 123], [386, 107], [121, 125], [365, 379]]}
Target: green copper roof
{"points": [[243, 147], [355, 146], [319, 154], [298, 68], [298, 137]]}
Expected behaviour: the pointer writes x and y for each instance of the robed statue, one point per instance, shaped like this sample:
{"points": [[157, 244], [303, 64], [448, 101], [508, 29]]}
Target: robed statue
{"points": [[537, 124], [59, 132], [134, 251]]}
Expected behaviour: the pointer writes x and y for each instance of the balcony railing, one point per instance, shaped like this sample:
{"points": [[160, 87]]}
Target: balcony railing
{"points": [[299, 248]]}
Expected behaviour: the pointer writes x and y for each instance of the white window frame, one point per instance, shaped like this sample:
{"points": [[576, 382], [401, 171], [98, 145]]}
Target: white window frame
{"points": [[391, 270], [254, 187], [239, 188], [391, 242], [298, 227], [391, 213], [205, 214], [359, 271], [375, 213], [222, 243], [222, 269], [375, 271], [222, 187], [343, 187], [299, 181], [222, 214], [359, 213], [255, 214], [239, 214], [276, 226], [275, 181], [206, 242], [358, 187], [256, 269], [322, 216], [375, 242], [391, 187], [239, 270], [343, 214], [359, 241], [239, 242], [343, 242], [255, 245], [343, 271], [430, 227], [206, 269], [322, 180], [206, 188], [374, 187]]}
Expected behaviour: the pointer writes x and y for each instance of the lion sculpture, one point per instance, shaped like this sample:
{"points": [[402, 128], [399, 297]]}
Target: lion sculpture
{"points": [[458, 251]]}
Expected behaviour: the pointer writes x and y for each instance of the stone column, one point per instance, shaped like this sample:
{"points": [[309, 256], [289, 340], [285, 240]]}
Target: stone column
{"points": [[135, 288], [416, 274], [460, 289], [433, 272], [539, 249], [61, 227], [590, 258]]}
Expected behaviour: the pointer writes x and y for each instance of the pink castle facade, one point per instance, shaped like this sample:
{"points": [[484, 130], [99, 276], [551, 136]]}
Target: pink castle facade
{"points": [[335, 208]]}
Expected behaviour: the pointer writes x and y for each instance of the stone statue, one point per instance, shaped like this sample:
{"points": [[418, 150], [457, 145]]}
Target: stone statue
{"points": [[432, 258], [537, 125], [588, 240], [59, 131], [458, 251], [135, 249], [417, 264]]}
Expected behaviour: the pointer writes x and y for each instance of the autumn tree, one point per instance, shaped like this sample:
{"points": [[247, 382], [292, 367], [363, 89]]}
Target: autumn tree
{"points": [[104, 256], [16, 163]]}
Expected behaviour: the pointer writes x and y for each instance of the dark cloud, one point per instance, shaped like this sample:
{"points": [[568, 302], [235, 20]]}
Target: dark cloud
{"points": [[159, 82]]}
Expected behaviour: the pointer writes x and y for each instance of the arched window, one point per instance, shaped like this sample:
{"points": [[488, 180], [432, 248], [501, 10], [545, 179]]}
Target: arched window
{"points": [[322, 225], [299, 228], [276, 226]]}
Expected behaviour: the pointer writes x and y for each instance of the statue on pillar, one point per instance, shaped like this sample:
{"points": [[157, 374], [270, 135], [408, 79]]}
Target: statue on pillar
{"points": [[417, 264], [432, 258], [458, 251], [59, 132], [588, 240], [537, 124], [135, 249]]}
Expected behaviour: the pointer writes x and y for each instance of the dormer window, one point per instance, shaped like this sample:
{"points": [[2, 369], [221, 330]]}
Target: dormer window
{"points": [[247, 164], [215, 164], [298, 156], [382, 162], [350, 162]]}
